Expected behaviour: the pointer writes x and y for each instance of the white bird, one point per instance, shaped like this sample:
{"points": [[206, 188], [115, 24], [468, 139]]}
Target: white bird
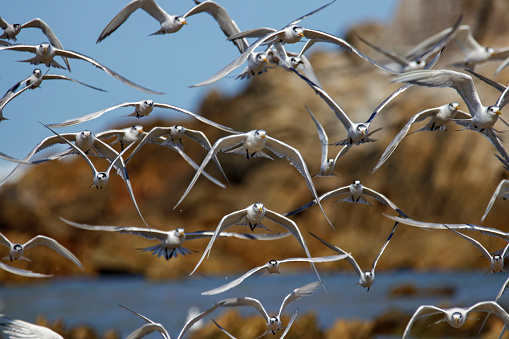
{"points": [[146, 329], [252, 144], [18, 329], [355, 194], [272, 267], [483, 117], [12, 30], [141, 108], [366, 278], [22, 272], [16, 251], [124, 136], [252, 216], [439, 117], [84, 140], [458, 227], [326, 164], [32, 82], [502, 191], [273, 322], [416, 58], [257, 64], [171, 241], [496, 260], [499, 295], [172, 23], [44, 54], [102, 178], [474, 52], [456, 316]]}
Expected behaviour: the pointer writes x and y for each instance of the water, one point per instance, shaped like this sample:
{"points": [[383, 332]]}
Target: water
{"points": [[94, 302]]}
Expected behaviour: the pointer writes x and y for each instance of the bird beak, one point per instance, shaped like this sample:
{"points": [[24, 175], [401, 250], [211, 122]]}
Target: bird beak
{"points": [[263, 136], [302, 34], [184, 22], [498, 112]]}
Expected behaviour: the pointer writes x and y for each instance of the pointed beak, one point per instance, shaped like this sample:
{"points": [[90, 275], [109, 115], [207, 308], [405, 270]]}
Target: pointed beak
{"points": [[302, 34], [184, 22]]}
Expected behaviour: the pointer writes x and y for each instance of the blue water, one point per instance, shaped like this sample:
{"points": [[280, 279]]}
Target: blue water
{"points": [[94, 302]]}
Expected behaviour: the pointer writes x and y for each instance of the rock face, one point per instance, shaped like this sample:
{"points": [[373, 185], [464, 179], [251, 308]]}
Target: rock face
{"points": [[432, 176]]}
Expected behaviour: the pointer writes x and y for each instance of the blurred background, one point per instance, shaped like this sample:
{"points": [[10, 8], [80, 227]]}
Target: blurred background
{"points": [[432, 176]]}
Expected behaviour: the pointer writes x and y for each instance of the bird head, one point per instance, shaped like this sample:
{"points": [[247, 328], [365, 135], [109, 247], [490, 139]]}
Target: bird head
{"points": [[494, 110]]}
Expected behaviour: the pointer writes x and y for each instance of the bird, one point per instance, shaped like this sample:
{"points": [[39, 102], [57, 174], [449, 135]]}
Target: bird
{"points": [[417, 57], [496, 260], [32, 82], [483, 117], [327, 164], [273, 322], [366, 278], [172, 23], [439, 117], [147, 328], [474, 52], [124, 136], [171, 241], [102, 178], [15, 328], [252, 216], [17, 251], [502, 191], [251, 144], [84, 140], [272, 266], [141, 108], [22, 272], [12, 30], [356, 193], [499, 295], [44, 54], [456, 316]]}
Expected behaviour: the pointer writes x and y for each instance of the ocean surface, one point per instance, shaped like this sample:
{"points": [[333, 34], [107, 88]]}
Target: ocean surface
{"points": [[94, 302]]}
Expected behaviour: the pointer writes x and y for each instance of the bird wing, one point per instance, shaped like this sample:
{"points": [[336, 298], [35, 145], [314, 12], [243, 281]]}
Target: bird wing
{"points": [[492, 307], [146, 329], [63, 77], [492, 136], [349, 258], [330, 194], [220, 145], [235, 282], [287, 329], [386, 101], [290, 225], [19, 48], [383, 247], [382, 198], [153, 134], [440, 226], [298, 293], [76, 55], [310, 13], [4, 241], [52, 243], [461, 82], [194, 320], [322, 135], [501, 190], [75, 121], [404, 131], [422, 311], [196, 116], [474, 242], [246, 236], [226, 222], [25, 273], [139, 231], [391, 55], [120, 18]]}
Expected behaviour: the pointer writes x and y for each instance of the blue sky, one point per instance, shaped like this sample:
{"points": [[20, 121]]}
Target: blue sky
{"points": [[166, 63]]}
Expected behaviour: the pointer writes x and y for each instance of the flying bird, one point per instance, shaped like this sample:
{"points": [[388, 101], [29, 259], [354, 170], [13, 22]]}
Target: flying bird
{"points": [[366, 278], [252, 144], [141, 108], [22, 272], [17, 251], [45, 53], [171, 241], [439, 117], [483, 117], [124, 136], [272, 267], [146, 329], [456, 316], [355, 194], [273, 322], [252, 216]]}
